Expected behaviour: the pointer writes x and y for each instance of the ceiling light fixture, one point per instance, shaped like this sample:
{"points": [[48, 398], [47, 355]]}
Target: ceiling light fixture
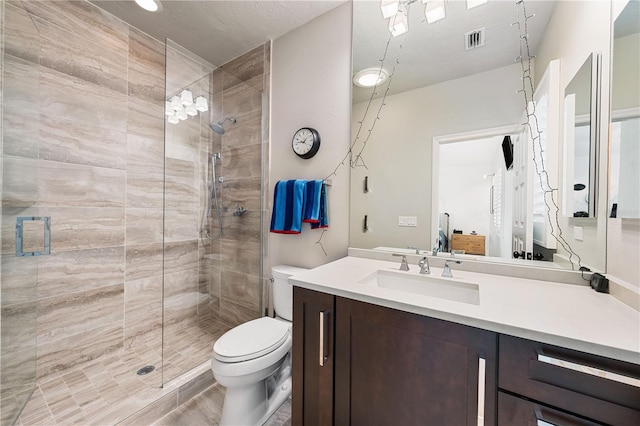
{"points": [[150, 5], [474, 3], [434, 11], [179, 108], [370, 77]]}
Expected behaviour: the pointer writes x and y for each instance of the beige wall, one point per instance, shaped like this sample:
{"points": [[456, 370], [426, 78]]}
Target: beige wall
{"points": [[311, 83]]}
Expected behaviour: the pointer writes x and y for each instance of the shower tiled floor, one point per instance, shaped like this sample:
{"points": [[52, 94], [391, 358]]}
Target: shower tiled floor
{"points": [[107, 390]]}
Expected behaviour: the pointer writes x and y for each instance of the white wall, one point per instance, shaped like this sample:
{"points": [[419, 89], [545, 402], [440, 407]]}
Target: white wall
{"points": [[398, 154], [311, 87]]}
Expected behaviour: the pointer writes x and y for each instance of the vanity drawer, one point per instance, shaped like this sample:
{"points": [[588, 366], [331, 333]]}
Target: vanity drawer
{"points": [[598, 388], [514, 411]]}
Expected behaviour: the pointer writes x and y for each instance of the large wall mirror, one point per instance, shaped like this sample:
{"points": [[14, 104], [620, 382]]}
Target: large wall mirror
{"points": [[455, 82], [625, 115]]}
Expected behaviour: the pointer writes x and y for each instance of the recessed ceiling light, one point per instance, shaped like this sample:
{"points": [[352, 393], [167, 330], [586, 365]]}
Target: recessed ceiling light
{"points": [[370, 77], [150, 5]]}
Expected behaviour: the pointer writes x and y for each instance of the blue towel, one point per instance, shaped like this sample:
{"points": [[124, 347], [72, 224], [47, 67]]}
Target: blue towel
{"points": [[297, 201], [288, 206]]}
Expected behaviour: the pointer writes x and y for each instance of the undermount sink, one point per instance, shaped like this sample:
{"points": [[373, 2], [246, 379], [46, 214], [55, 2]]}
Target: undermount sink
{"points": [[426, 285]]}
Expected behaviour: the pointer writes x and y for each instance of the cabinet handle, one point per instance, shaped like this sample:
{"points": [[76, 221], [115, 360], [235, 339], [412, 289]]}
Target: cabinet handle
{"points": [[540, 420], [324, 344], [482, 373], [603, 374]]}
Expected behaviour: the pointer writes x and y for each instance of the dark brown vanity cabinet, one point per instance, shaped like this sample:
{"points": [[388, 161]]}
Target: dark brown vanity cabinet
{"points": [[590, 388], [389, 367]]}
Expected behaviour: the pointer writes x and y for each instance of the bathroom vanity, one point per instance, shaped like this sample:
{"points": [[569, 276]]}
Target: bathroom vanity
{"points": [[366, 352]]}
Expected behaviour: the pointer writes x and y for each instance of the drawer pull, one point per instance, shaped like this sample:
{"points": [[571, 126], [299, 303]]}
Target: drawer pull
{"points": [[482, 370], [588, 370], [324, 316]]}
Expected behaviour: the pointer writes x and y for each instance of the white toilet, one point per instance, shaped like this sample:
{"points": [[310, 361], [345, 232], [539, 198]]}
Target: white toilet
{"points": [[253, 360]]}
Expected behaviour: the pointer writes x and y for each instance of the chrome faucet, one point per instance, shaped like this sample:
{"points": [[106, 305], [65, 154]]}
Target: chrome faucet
{"points": [[414, 248], [404, 266], [424, 266], [446, 272]]}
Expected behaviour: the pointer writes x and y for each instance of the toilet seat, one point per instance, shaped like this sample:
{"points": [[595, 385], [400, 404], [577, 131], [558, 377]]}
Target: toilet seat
{"points": [[251, 340]]}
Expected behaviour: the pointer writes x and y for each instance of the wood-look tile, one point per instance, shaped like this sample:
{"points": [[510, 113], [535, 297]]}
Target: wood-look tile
{"points": [[205, 409], [20, 132], [17, 321], [241, 100], [247, 66], [182, 193], [245, 193], [180, 256], [151, 413], [247, 131], [74, 99], [145, 118], [21, 38], [84, 143], [240, 257], [96, 25], [234, 314], [143, 261], [21, 86], [63, 184], [243, 289], [82, 228], [195, 386], [145, 329], [144, 226], [78, 349], [146, 72], [181, 224], [20, 188], [70, 272], [183, 70], [180, 296], [183, 141], [73, 54], [243, 162], [144, 155], [65, 316], [143, 295], [19, 279], [145, 190]]}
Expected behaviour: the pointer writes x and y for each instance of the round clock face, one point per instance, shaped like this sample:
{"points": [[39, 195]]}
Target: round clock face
{"points": [[306, 142]]}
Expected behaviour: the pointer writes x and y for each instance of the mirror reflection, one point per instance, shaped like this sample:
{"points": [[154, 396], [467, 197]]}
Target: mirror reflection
{"points": [[439, 92], [625, 114], [580, 141]]}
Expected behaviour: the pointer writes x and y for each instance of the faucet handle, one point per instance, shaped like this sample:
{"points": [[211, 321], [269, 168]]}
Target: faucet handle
{"points": [[446, 272], [404, 266], [417, 249]]}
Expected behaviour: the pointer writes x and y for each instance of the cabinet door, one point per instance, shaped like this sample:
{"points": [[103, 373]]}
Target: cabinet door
{"points": [[397, 368], [514, 411], [313, 334]]}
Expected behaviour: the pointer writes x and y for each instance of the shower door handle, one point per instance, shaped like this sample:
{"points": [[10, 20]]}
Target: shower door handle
{"points": [[324, 337], [46, 249]]}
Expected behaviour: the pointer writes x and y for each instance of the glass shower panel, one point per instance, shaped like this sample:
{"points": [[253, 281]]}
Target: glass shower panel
{"points": [[212, 206], [22, 239]]}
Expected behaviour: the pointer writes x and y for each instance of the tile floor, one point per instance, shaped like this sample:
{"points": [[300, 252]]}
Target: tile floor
{"points": [[107, 390], [205, 410]]}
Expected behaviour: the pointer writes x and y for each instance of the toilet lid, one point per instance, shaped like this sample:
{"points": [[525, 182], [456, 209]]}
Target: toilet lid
{"points": [[251, 340]]}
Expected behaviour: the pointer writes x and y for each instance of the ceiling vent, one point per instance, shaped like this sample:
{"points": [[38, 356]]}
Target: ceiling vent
{"points": [[474, 39]]}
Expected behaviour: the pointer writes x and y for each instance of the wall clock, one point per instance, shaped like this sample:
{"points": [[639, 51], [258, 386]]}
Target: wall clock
{"points": [[306, 142]]}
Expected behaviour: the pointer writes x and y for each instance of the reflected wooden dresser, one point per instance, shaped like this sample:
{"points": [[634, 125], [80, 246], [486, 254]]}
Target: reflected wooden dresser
{"points": [[471, 244]]}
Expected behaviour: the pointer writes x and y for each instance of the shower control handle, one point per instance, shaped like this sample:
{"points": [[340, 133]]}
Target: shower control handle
{"points": [[324, 337]]}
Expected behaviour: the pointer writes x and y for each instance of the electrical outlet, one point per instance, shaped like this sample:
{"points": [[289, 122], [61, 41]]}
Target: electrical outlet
{"points": [[578, 233], [408, 221]]}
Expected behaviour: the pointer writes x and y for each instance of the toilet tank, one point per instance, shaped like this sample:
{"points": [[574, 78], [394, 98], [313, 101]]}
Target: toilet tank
{"points": [[283, 291]]}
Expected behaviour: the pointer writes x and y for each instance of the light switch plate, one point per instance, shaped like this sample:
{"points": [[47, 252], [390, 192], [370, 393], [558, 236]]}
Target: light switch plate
{"points": [[578, 233], [408, 221]]}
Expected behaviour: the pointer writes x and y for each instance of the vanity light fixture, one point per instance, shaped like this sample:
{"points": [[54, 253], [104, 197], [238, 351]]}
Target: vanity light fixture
{"points": [[399, 23], [475, 3], [179, 108], [370, 77], [150, 5], [389, 8], [434, 10]]}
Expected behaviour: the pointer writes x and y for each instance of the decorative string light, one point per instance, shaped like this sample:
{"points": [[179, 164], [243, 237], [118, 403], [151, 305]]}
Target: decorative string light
{"points": [[549, 192]]}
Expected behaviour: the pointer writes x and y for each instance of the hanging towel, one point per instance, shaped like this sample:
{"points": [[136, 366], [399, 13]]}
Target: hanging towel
{"points": [[288, 206], [312, 201], [323, 218]]}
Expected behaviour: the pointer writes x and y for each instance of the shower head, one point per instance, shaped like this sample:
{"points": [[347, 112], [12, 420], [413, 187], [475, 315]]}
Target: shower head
{"points": [[217, 127]]}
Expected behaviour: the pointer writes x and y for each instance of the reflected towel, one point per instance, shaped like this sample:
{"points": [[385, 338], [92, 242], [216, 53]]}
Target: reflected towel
{"points": [[288, 206]]}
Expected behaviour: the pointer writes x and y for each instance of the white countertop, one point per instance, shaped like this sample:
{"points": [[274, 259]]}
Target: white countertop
{"points": [[568, 315]]}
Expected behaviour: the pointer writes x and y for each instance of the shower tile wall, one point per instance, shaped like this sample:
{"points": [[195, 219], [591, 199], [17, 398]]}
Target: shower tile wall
{"points": [[98, 152]]}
